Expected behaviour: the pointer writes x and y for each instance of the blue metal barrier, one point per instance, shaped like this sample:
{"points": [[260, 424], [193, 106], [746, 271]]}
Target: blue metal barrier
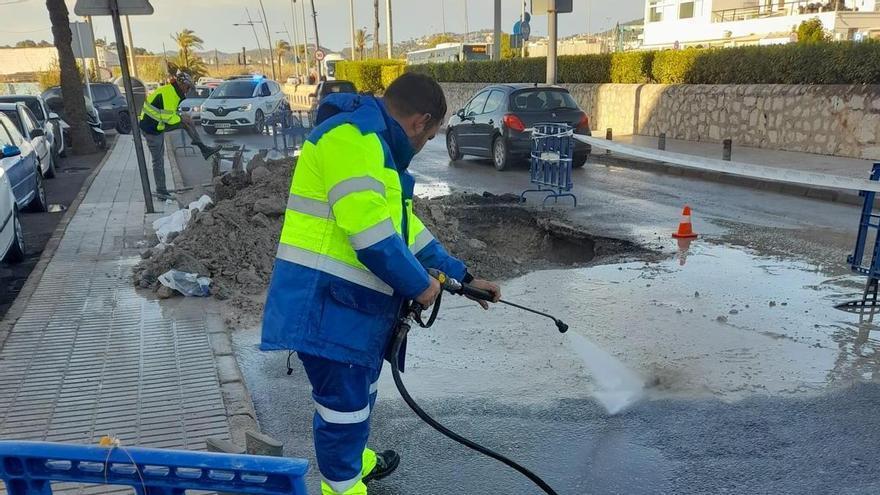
{"points": [[551, 157], [869, 225], [288, 126], [29, 468]]}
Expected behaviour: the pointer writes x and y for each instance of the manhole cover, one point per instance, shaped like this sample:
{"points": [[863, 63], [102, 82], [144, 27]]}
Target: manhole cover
{"points": [[73, 170], [55, 208]]}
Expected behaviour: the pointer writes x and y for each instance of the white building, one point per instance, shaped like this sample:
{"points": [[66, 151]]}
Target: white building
{"points": [[671, 23]]}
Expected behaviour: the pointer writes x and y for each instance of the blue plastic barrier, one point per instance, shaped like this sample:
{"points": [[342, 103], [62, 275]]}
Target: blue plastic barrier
{"points": [[285, 124], [29, 468], [551, 157], [868, 221]]}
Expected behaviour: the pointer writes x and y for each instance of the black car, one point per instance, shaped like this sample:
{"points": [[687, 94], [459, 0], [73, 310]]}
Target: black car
{"points": [[326, 88], [493, 122], [110, 102]]}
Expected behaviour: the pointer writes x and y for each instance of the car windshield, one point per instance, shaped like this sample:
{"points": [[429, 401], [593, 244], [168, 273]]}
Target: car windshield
{"points": [[13, 116], [235, 89], [542, 100], [32, 103], [199, 93]]}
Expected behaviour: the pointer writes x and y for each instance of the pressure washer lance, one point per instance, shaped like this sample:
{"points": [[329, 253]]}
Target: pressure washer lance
{"points": [[414, 314]]}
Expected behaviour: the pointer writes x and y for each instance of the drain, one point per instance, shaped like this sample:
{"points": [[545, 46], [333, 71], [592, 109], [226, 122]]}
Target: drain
{"points": [[56, 208]]}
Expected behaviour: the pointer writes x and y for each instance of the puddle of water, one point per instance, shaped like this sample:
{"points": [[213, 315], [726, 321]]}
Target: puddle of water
{"points": [[618, 387]]}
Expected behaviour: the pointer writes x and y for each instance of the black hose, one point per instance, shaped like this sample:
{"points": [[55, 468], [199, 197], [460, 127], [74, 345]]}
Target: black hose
{"points": [[399, 337]]}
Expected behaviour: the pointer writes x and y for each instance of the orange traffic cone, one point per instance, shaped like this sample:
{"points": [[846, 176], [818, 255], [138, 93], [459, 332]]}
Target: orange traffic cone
{"points": [[685, 231]]}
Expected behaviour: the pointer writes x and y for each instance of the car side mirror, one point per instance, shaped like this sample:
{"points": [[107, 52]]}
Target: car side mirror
{"points": [[54, 116], [37, 133], [10, 150], [460, 113]]}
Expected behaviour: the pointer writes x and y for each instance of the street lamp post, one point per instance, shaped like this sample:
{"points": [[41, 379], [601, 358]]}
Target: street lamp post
{"points": [[269, 38], [551, 42], [252, 24], [305, 36], [351, 19]]}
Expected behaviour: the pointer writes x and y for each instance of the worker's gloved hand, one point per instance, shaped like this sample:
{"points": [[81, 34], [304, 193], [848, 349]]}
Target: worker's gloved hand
{"points": [[487, 286], [427, 298]]}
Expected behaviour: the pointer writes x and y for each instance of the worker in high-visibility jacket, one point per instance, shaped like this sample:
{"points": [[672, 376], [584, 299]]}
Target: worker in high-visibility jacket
{"points": [[351, 252], [159, 116]]}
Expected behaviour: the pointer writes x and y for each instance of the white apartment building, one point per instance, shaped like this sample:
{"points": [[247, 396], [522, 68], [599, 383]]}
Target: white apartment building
{"points": [[682, 23]]}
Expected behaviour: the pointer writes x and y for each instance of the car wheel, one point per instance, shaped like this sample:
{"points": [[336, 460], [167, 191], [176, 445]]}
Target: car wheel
{"points": [[210, 130], [50, 171], [17, 249], [452, 146], [123, 123], [500, 154], [259, 122], [39, 203], [579, 160]]}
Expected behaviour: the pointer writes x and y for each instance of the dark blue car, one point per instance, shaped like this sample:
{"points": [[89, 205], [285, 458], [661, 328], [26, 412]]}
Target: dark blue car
{"points": [[19, 161]]}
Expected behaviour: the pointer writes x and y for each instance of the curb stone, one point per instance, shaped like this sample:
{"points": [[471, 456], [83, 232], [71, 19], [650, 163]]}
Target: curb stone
{"points": [[27, 290]]}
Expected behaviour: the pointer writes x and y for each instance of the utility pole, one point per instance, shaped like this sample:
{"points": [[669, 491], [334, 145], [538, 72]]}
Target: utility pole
{"points": [[551, 42], [134, 67], [317, 38], [376, 28], [467, 31], [252, 24], [165, 59], [269, 37], [351, 19], [443, 14], [496, 46], [522, 19], [302, 10], [388, 29], [295, 42]]}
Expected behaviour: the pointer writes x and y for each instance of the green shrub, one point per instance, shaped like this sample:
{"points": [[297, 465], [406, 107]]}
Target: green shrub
{"points": [[390, 73], [673, 66], [631, 67], [367, 75]]}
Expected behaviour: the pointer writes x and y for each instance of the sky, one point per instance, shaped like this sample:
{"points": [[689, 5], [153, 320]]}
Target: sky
{"points": [[213, 20]]}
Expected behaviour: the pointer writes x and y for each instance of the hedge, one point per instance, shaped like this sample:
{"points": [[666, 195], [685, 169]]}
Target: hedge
{"points": [[371, 76], [818, 63]]}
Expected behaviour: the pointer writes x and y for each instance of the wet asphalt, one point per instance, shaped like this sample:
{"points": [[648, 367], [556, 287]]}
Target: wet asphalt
{"points": [[754, 383]]}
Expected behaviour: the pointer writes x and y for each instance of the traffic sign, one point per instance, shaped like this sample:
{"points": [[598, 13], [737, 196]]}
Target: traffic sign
{"points": [[319, 55], [541, 7], [102, 7]]}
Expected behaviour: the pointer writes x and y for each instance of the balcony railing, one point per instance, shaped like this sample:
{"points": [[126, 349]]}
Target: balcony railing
{"points": [[779, 9]]}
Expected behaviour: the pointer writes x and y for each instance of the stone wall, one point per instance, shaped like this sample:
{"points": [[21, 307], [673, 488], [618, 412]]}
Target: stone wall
{"points": [[831, 120]]}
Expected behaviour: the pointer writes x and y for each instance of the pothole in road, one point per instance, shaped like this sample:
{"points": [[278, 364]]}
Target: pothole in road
{"points": [[500, 238]]}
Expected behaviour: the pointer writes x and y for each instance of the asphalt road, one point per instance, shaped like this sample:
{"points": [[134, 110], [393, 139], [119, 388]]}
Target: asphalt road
{"points": [[72, 172], [754, 383]]}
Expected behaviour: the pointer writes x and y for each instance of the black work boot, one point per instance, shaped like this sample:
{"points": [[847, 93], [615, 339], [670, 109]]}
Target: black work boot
{"points": [[386, 463], [208, 151]]}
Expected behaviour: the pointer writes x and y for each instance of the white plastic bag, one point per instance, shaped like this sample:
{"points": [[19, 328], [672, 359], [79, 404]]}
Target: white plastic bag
{"points": [[174, 222], [188, 284]]}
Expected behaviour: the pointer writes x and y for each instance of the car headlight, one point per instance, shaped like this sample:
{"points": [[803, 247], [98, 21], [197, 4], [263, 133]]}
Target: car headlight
{"points": [[196, 108], [245, 108]]}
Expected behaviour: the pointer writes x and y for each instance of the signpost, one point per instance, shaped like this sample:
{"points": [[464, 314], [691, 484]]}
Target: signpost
{"points": [[552, 8], [319, 55], [115, 9], [84, 48]]}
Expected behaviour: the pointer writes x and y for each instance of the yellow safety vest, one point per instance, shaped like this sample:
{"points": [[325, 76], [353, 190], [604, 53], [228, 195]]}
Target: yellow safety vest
{"points": [[166, 116]]}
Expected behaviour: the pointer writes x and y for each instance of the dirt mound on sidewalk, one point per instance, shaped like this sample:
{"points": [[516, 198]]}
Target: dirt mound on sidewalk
{"points": [[234, 241]]}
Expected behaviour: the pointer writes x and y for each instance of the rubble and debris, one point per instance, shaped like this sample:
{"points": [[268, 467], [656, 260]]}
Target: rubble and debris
{"points": [[188, 284]]}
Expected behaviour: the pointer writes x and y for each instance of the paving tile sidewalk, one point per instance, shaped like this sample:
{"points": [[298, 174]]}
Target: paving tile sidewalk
{"points": [[90, 356], [807, 162]]}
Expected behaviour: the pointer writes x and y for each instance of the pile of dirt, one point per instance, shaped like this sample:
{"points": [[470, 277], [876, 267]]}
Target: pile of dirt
{"points": [[234, 241]]}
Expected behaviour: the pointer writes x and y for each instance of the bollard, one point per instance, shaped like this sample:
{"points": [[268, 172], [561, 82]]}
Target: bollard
{"points": [[727, 150], [608, 134], [661, 141], [259, 444]]}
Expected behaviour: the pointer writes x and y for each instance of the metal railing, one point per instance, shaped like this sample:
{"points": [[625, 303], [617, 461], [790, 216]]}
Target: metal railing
{"points": [[551, 160], [777, 9]]}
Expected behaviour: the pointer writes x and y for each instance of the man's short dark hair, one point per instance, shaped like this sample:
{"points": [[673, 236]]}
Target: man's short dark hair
{"points": [[413, 93]]}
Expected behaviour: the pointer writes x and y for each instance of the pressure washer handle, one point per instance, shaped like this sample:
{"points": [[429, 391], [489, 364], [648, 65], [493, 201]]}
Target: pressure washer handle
{"points": [[455, 287], [481, 294]]}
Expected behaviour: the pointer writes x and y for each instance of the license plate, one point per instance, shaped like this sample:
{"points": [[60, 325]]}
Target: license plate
{"points": [[222, 126]]}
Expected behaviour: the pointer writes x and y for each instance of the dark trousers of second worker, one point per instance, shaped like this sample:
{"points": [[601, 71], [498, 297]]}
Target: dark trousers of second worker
{"points": [[344, 397]]}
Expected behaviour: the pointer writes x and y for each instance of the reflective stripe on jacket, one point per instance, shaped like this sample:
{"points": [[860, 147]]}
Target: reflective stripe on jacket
{"points": [[351, 248], [167, 115]]}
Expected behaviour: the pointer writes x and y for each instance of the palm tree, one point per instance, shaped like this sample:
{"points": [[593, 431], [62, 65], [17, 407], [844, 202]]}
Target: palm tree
{"points": [[361, 38], [187, 42], [376, 29], [71, 85], [282, 48]]}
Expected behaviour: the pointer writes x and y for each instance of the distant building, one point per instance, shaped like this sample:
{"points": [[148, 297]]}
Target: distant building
{"points": [[683, 23], [538, 48]]}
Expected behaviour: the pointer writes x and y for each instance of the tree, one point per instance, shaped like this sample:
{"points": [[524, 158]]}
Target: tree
{"points": [[441, 38], [376, 52], [187, 42], [811, 32], [361, 38], [282, 48], [26, 44], [71, 88]]}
